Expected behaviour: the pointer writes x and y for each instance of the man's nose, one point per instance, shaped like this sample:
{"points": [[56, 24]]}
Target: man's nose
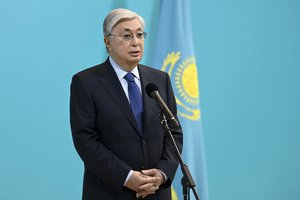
{"points": [[134, 40]]}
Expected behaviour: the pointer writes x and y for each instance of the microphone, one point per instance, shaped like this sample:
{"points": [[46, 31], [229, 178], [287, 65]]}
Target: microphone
{"points": [[153, 92]]}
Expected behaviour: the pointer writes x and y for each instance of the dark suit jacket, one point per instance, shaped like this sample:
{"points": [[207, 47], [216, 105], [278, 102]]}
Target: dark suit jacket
{"points": [[106, 135]]}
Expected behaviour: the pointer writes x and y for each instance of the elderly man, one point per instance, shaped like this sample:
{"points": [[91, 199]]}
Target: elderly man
{"points": [[116, 126]]}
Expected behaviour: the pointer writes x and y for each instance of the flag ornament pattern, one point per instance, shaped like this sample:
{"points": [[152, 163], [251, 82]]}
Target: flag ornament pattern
{"points": [[174, 195]]}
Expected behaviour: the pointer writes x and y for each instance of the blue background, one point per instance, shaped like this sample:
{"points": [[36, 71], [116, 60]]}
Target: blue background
{"points": [[248, 54]]}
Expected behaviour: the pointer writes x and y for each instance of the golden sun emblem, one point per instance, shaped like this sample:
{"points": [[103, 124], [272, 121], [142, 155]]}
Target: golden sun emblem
{"points": [[186, 81], [185, 78]]}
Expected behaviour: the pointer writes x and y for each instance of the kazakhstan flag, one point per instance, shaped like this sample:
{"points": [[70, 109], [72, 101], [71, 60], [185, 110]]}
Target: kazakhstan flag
{"points": [[174, 53]]}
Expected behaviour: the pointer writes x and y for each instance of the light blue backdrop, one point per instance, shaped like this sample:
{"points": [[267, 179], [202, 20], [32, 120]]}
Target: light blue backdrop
{"points": [[248, 55]]}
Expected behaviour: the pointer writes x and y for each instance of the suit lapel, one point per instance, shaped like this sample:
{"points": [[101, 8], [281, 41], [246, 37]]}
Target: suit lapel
{"points": [[113, 86], [148, 103]]}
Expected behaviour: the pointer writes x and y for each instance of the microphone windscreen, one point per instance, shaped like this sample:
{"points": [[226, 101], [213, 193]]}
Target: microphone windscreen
{"points": [[151, 87]]}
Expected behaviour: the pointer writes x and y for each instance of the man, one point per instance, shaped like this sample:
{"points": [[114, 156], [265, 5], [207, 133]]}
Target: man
{"points": [[116, 126]]}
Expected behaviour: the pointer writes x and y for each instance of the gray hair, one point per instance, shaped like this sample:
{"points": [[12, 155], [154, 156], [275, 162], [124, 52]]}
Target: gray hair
{"points": [[118, 15]]}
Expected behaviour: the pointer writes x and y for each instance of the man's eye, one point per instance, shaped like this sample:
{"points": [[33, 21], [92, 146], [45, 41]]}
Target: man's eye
{"points": [[139, 35], [127, 36]]}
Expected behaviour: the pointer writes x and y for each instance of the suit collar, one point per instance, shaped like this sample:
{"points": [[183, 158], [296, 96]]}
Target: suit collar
{"points": [[121, 72]]}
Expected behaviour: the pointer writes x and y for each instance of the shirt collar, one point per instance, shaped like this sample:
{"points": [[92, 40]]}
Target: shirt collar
{"points": [[121, 72]]}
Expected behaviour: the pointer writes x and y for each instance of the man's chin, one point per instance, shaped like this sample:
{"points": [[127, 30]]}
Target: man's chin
{"points": [[135, 59]]}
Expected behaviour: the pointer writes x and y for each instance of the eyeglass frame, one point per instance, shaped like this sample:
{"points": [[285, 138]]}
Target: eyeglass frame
{"points": [[123, 37]]}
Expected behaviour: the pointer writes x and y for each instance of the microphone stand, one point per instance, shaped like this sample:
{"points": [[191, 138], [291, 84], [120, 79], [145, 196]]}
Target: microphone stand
{"points": [[187, 179]]}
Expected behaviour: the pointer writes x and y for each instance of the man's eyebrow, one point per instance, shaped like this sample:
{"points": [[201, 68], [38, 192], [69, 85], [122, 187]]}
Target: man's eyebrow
{"points": [[129, 30]]}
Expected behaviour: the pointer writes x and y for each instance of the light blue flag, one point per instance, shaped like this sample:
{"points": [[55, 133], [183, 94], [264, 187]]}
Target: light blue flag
{"points": [[174, 53]]}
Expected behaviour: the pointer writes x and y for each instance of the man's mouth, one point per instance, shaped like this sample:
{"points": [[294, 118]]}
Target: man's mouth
{"points": [[134, 53]]}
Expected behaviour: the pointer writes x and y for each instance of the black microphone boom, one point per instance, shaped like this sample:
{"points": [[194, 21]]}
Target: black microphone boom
{"points": [[187, 179], [153, 92]]}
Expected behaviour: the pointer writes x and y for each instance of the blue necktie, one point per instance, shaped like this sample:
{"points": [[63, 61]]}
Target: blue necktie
{"points": [[135, 98]]}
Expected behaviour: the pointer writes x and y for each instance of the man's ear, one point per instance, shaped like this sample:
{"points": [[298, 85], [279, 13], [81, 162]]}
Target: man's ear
{"points": [[107, 43]]}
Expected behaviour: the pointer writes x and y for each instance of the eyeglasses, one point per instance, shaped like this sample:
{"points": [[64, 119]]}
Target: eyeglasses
{"points": [[128, 37]]}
